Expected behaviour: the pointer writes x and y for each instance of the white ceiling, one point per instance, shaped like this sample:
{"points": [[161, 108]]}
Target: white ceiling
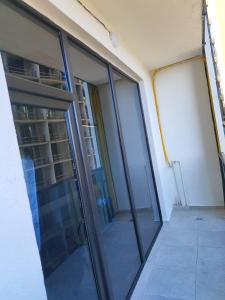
{"points": [[160, 32]]}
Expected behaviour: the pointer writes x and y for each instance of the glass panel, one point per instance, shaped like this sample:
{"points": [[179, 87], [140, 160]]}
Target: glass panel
{"points": [[27, 46], [104, 157], [54, 199], [137, 157]]}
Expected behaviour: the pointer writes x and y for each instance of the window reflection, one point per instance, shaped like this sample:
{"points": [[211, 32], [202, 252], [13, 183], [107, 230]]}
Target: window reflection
{"points": [[106, 166], [36, 72], [54, 202], [137, 155]]}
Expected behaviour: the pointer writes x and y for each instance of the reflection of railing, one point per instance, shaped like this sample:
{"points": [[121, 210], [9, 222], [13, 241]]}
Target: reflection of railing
{"points": [[55, 115], [16, 70], [61, 156], [52, 75], [33, 139], [63, 176], [41, 161], [57, 137], [43, 182], [28, 115]]}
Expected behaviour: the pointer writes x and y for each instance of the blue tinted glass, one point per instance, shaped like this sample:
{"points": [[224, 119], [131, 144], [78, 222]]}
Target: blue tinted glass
{"points": [[138, 159], [112, 203], [54, 199], [30, 49]]}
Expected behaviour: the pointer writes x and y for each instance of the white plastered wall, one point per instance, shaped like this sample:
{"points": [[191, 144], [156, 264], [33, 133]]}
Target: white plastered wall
{"points": [[21, 272], [189, 134]]}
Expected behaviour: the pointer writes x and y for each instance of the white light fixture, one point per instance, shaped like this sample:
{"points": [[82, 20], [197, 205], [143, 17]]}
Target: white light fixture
{"points": [[114, 39]]}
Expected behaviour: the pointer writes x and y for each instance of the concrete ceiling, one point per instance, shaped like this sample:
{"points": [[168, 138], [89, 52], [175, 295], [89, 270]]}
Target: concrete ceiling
{"points": [[159, 32]]}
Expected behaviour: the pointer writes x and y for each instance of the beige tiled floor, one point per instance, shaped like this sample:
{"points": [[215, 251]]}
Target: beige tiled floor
{"points": [[188, 259]]}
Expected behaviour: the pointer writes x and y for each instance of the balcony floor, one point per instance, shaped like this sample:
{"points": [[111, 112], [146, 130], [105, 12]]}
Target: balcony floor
{"points": [[188, 259]]}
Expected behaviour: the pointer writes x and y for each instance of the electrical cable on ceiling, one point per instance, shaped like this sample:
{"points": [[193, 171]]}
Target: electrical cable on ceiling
{"points": [[113, 37], [94, 16]]}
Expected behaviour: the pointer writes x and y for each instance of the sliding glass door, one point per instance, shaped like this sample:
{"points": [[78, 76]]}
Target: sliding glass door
{"points": [[112, 204], [138, 159], [54, 198], [85, 157], [35, 74]]}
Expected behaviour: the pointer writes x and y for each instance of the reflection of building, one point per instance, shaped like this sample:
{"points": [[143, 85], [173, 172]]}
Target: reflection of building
{"points": [[43, 141], [42, 137], [33, 71]]}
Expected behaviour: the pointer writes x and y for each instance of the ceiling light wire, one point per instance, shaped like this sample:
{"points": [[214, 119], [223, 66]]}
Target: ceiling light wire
{"points": [[94, 16]]}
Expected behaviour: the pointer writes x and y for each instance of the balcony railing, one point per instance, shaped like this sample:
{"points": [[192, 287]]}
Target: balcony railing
{"points": [[58, 137], [62, 175], [28, 115], [52, 74], [39, 161], [55, 115]]}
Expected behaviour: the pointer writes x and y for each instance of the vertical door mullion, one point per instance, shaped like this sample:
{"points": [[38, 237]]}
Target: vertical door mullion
{"points": [[125, 164], [87, 192]]}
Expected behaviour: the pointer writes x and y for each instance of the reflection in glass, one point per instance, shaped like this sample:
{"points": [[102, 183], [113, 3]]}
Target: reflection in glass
{"points": [[137, 157], [108, 178], [54, 199], [27, 46]]}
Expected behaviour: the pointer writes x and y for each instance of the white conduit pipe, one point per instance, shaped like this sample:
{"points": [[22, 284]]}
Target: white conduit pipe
{"points": [[182, 199]]}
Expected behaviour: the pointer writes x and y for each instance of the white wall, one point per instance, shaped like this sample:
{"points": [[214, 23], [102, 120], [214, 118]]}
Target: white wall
{"points": [[20, 272], [189, 133]]}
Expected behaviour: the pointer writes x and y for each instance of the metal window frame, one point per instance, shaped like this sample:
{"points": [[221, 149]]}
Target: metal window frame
{"points": [[87, 188], [207, 30], [67, 101], [144, 256]]}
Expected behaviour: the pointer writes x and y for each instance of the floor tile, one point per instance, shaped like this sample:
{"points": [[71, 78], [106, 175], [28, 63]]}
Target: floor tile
{"points": [[211, 239], [211, 255], [155, 297], [173, 272], [211, 224], [184, 224], [210, 281], [178, 237], [210, 213], [171, 282], [175, 256]]}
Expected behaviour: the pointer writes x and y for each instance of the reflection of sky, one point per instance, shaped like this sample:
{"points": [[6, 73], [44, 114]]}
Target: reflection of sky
{"points": [[29, 174]]}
